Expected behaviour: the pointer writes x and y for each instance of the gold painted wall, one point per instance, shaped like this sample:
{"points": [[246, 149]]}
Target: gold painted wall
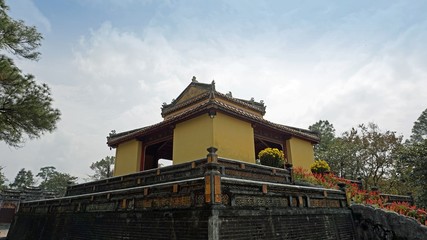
{"points": [[300, 152], [191, 139], [128, 155], [234, 138]]}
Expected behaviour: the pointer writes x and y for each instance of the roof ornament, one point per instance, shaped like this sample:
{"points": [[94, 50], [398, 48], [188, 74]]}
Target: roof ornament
{"points": [[194, 79], [252, 99], [213, 85], [212, 91], [112, 133], [229, 94]]}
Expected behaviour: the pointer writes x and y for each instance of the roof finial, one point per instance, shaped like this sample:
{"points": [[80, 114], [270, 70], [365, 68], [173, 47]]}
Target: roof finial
{"points": [[194, 79], [213, 85]]}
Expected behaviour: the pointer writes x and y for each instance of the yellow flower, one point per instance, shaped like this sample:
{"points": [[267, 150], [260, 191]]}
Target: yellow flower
{"points": [[272, 157], [320, 166]]}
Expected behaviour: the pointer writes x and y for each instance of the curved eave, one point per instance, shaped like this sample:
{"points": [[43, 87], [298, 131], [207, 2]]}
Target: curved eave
{"points": [[257, 107], [296, 132], [113, 141], [205, 107]]}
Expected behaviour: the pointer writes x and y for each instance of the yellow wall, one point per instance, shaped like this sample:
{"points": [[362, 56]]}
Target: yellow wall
{"points": [[191, 139], [234, 138], [128, 155], [300, 152]]}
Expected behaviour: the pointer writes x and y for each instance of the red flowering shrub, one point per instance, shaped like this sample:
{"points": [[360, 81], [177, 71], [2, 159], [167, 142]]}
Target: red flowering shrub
{"points": [[360, 196]]}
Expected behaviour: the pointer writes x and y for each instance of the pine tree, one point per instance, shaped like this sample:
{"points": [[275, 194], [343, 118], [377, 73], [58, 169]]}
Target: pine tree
{"points": [[23, 179], [25, 105], [419, 130]]}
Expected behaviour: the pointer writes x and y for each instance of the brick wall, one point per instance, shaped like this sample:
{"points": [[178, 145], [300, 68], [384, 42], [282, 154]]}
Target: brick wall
{"points": [[286, 224], [215, 200]]}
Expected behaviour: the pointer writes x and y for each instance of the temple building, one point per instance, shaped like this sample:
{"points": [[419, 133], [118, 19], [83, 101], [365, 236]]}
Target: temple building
{"points": [[201, 117]]}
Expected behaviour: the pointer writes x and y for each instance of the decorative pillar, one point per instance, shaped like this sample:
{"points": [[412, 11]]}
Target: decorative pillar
{"points": [[212, 156], [343, 187], [288, 166], [212, 178]]}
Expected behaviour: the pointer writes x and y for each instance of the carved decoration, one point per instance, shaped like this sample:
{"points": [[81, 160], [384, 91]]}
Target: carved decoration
{"points": [[268, 135], [263, 201]]}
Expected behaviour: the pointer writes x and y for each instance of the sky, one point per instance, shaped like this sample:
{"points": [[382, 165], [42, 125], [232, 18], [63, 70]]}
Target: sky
{"points": [[111, 64]]}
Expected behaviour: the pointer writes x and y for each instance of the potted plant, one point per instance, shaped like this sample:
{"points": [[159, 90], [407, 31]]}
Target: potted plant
{"points": [[272, 157]]}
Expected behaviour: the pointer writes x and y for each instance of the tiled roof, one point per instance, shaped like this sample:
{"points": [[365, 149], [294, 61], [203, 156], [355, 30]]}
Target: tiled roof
{"points": [[184, 104], [248, 103], [211, 93], [204, 106], [114, 139], [290, 130]]}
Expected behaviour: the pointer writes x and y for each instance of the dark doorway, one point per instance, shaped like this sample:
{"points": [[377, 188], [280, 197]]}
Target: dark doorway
{"points": [[261, 144], [154, 152]]}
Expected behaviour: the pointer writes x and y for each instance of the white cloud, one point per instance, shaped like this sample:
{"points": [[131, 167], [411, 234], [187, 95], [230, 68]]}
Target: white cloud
{"points": [[353, 70], [28, 11]]}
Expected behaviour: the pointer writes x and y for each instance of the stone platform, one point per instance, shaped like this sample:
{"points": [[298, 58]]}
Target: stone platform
{"points": [[211, 198]]}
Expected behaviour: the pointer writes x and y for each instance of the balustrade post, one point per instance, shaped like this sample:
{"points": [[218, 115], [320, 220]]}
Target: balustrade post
{"points": [[212, 178], [290, 169]]}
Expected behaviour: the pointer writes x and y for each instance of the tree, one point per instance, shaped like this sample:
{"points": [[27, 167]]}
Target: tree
{"points": [[339, 152], [419, 130], [46, 173], [54, 181], [364, 151], [25, 106], [326, 132], [369, 153], [415, 157], [23, 179], [16, 37], [59, 182], [2, 179], [103, 168], [379, 153]]}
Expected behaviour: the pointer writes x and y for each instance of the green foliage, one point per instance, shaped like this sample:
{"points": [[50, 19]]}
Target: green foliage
{"points": [[2, 179], [378, 151], [54, 181], [46, 173], [25, 105], [16, 37], [364, 151], [23, 179], [326, 133], [419, 130], [320, 166], [415, 157], [272, 157], [103, 168]]}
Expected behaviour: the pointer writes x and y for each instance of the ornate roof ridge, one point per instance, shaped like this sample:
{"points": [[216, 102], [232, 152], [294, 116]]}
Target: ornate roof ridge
{"points": [[184, 104], [123, 136], [292, 130], [260, 107], [299, 132]]}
